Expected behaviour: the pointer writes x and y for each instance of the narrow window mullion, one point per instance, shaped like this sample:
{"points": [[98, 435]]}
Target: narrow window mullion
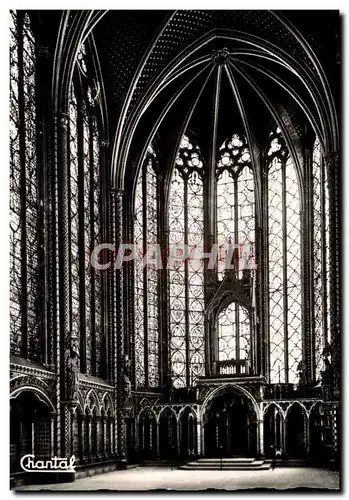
{"points": [[145, 276], [236, 261]]}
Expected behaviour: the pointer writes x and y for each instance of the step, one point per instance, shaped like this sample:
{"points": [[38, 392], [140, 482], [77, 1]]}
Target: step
{"points": [[227, 460], [226, 467], [237, 464], [256, 463]]}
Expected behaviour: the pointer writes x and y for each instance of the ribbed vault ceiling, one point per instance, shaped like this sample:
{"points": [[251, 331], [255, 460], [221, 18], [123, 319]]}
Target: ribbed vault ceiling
{"points": [[160, 75], [160, 66]]}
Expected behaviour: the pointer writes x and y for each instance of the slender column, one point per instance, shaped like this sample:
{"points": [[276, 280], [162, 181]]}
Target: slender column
{"points": [[104, 152], [143, 434], [32, 429], [73, 442], [164, 337], [260, 435], [307, 289], [248, 433], [53, 270], [112, 361], [307, 433], [104, 434], [284, 434], [157, 439], [130, 327], [335, 422], [52, 441], [202, 438], [281, 433], [264, 273], [99, 432], [111, 424], [178, 439], [64, 267], [198, 437], [112, 297], [136, 434], [119, 324], [88, 430], [210, 209], [333, 178]]}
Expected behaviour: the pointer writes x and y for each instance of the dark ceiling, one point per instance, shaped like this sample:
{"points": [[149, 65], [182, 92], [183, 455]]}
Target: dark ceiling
{"points": [[124, 38]]}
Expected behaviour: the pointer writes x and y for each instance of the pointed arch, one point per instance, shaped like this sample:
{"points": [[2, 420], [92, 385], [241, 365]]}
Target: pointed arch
{"points": [[87, 174], [285, 263], [223, 388], [186, 278], [146, 238], [235, 202], [168, 409]]}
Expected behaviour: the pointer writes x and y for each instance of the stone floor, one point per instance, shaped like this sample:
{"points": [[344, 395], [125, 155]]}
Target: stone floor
{"points": [[150, 478]]}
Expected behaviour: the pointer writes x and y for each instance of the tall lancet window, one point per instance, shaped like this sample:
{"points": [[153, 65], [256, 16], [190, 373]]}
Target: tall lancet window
{"points": [[24, 191], [186, 277], [85, 221], [234, 333], [284, 250], [147, 287], [74, 215], [321, 252], [235, 203]]}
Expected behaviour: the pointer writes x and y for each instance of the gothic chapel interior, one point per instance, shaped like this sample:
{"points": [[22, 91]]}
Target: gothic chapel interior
{"points": [[157, 129]]}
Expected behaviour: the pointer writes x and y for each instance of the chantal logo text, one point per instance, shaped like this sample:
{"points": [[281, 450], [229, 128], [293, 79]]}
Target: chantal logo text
{"points": [[55, 464]]}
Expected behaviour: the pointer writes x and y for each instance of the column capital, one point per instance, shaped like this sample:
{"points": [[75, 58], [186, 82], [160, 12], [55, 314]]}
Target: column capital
{"points": [[117, 192]]}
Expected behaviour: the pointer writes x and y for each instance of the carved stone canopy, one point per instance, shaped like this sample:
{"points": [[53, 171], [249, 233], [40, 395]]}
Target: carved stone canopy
{"points": [[231, 289]]}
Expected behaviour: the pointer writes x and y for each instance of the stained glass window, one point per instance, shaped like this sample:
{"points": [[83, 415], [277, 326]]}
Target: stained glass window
{"points": [[285, 327], [146, 277], [15, 196], [85, 232], [320, 246], [24, 266], [234, 333], [186, 226], [74, 215], [236, 226], [87, 239], [235, 203], [96, 240]]}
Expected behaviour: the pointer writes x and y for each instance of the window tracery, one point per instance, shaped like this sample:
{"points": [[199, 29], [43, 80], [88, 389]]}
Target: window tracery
{"points": [[234, 333], [186, 226], [284, 248], [146, 277], [235, 203], [85, 230], [24, 196]]}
